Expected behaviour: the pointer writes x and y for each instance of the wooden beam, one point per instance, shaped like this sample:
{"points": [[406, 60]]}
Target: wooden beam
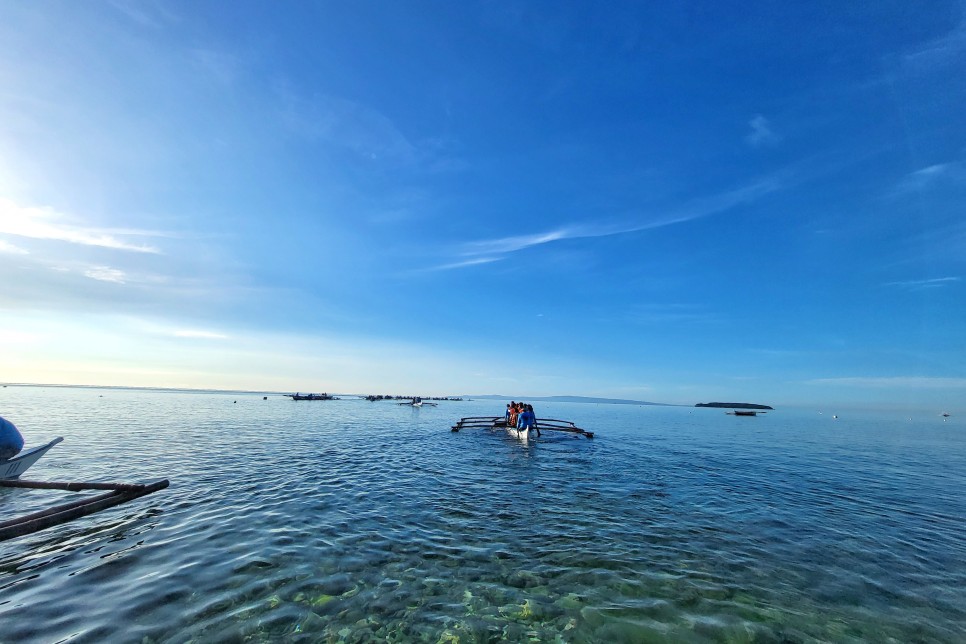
{"points": [[72, 487], [62, 513]]}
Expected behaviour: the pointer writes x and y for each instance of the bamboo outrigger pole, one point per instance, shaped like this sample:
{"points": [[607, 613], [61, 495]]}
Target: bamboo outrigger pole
{"points": [[72, 487], [28, 524], [496, 422]]}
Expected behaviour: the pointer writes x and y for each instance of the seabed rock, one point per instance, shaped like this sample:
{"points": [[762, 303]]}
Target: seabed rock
{"points": [[571, 601], [311, 623], [524, 579], [448, 637]]}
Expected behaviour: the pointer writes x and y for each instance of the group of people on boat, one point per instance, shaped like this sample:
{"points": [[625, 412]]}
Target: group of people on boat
{"points": [[521, 416]]}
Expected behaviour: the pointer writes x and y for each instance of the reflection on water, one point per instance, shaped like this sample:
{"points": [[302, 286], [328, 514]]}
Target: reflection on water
{"points": [[356, 521]]}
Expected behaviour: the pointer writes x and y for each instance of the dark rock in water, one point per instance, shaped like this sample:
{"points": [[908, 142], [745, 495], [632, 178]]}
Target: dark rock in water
{"points": [[252, 566], [523, 579], [734, 405]]}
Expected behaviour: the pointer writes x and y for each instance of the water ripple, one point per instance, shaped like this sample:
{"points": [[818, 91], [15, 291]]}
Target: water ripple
{"points": [[350, 521]]}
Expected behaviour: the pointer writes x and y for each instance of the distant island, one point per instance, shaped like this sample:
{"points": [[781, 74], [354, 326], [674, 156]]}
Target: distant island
{"points": [[734, 405], [377, 397]]}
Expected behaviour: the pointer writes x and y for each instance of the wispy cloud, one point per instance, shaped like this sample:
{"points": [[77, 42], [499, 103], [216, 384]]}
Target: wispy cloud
{"points": [[762, 133], [46, 223], [489, 250], [520, 242], [7, 247], [946, 49], [931, 171], [898, 382], [223, 67], [199, 334], [364, 130], [669, 314], [347, 124], [149, 13], [105, 274], [464, 264], [934, 282], [153, 327], [953, 173]]}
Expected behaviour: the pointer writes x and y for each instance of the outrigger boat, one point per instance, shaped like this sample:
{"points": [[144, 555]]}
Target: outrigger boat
{"points": [[117, 493], [13, 467], [545, 424], [522, 435]]}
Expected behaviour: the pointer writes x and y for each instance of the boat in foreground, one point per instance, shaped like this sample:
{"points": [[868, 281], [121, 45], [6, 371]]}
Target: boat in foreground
{"points": [[545, 425], [115, 494], [522, 435], [13, 467]]}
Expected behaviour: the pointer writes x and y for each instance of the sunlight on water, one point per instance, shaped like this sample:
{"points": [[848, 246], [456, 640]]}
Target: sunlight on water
{"points": [[350, 521]]}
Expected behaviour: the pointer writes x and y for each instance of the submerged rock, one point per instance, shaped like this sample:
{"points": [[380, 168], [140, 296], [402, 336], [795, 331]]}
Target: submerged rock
{"points": [[322, 600], [523, 579], [448, 637]]}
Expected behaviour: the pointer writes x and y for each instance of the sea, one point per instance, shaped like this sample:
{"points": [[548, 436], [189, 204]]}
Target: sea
{"points": [[355, 521]]}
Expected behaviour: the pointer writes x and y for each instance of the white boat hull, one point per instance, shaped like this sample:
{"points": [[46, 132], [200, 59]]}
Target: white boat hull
{"points": [[520, 434], [12, 468]]}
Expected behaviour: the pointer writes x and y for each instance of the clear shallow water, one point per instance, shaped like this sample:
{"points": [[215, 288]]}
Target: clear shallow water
{"points": [[347, 521]]}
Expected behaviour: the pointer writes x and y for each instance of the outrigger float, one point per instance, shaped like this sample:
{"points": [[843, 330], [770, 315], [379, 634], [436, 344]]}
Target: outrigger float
{"points": [[543, 424], [118, 493]]}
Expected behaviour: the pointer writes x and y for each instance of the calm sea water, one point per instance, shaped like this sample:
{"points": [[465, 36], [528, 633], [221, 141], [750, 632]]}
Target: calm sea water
{"points": [[351, 521]]}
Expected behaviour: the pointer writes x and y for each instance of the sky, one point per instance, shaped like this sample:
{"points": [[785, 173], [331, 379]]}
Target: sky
{"points": [[671, 202]]}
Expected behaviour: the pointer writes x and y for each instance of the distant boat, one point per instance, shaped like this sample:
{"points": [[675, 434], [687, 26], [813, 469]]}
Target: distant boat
{"points": [[301, 396], [417, 402], [739, 412], [945, 415]]}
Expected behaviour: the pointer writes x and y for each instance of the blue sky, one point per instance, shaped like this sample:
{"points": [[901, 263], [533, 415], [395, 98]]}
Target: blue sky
{"points": [[668, 203]]}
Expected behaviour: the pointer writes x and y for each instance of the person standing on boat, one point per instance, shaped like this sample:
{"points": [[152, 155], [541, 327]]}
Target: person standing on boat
{"points": [[509, 411], [11, 442], [528, 420], [514, 414], [532, 419]]}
